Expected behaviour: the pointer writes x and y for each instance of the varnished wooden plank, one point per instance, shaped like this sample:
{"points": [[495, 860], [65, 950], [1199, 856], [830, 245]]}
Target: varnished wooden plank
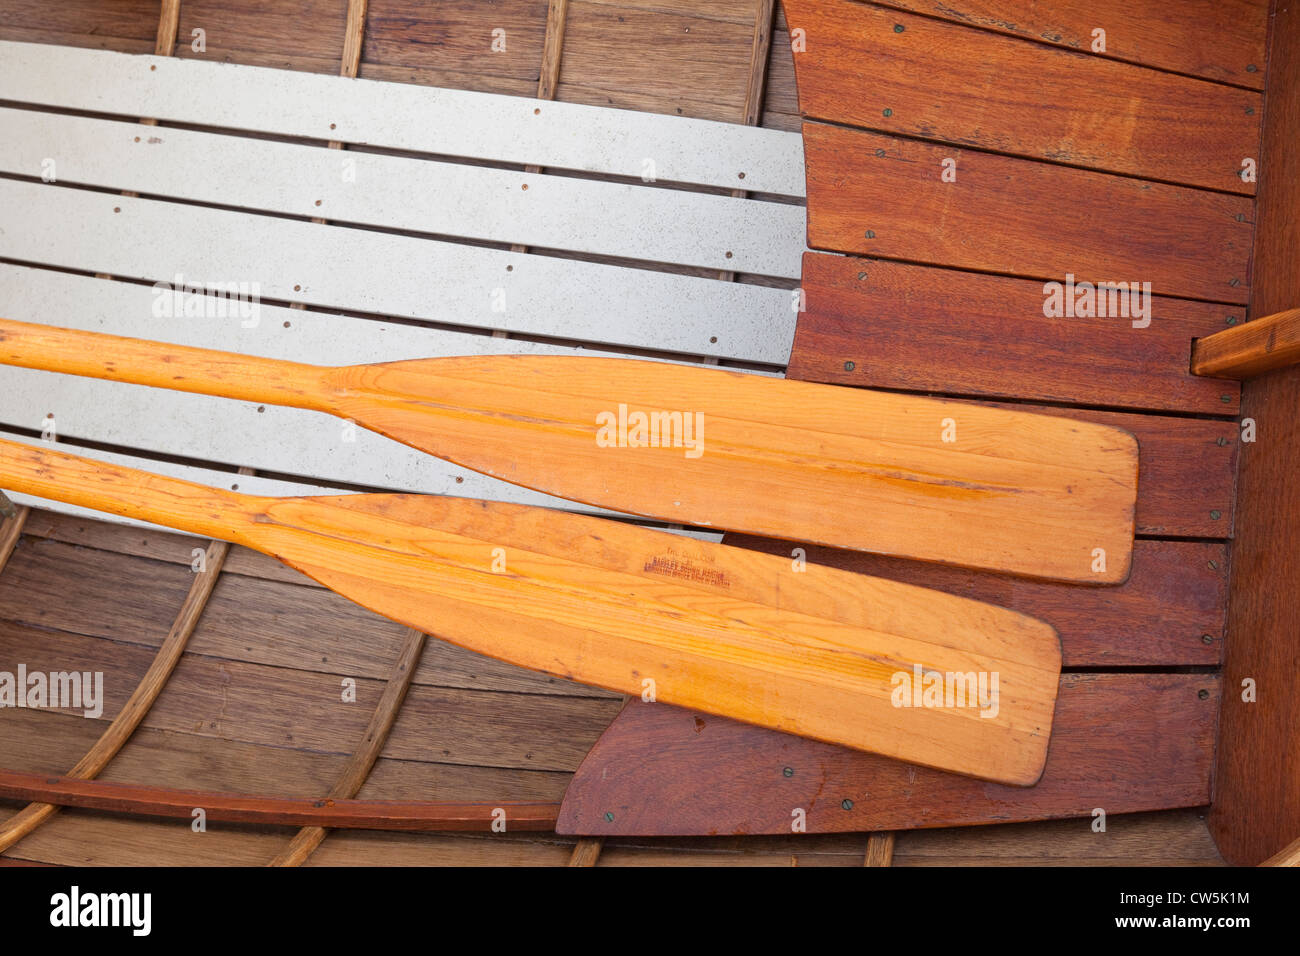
{"points": [[902, 326], [1170, 612], [588, 600], [632, 57], [457, 35], [1122, 742], [44, 741], [1261, 345], [1219, 40], [916, 76], [217, 699], [303, 35], [125, 25], [1168, 838], [137, 706], [874, 194], [1257, 812], [88, 838]]}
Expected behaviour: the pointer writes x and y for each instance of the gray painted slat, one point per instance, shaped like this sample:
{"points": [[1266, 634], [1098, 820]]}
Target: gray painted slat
{"points": [[364, 271], [475, 202], [407, 117]]}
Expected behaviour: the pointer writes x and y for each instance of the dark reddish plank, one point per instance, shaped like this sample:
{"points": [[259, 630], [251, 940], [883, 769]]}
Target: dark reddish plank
{"points": [[917, 328], [1220, 40], [1122, 742], [1256, 808], [1162, 616], [877, 195], [126, 25], [916, 76], [273, 811]]}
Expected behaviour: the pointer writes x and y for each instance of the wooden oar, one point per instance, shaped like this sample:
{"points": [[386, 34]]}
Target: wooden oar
{"points": [[643, 612], [934, 480]]}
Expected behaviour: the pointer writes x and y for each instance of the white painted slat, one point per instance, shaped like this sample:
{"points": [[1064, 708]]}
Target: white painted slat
{"points": [[407, 117], [127, 308], [365, 271], [475, 202]]}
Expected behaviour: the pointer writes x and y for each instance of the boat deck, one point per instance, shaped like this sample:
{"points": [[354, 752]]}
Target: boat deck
{"points": [[251, 706]]}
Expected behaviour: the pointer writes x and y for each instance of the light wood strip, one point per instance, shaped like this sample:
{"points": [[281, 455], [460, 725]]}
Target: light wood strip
{"points": [[11, 528], [586, 852], [880, 849], [169, 19], [1245, 351], [1289, 856], [401, 116], [557, 13], [137, 706], [354, 776]]}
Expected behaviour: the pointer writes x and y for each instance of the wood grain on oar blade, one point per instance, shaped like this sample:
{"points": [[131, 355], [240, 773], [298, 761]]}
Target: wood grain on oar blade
{"points": [[941, 481], [810, 650]]}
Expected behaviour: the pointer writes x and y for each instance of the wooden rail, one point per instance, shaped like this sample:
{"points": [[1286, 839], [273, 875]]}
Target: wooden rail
{"points": [[1245, 351], [275, 811]]}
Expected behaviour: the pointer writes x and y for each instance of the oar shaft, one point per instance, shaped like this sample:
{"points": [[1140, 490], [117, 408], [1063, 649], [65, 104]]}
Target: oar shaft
{"points": [[140, 362], [45, 473]]}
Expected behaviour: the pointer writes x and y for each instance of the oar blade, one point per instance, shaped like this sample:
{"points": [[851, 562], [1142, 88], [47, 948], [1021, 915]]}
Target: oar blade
{"points": [[893, 669], [942, 481]]}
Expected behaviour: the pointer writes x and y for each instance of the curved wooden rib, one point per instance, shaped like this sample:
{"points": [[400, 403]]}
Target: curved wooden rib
{"points": [[128, 719], [586, 851], [273, 811], [358, 769], [11, 528], [1289, 856], [880, 849]]}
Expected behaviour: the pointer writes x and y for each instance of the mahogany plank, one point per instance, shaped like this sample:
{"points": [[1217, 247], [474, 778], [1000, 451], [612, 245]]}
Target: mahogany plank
{"points": [[130, 26], [916, 76], [877, 195], [1121, 742], [1261, 345], [1256, 808], [265, 34], [911, 327], [457, 35], [1219, 40], [1170, 612]]}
